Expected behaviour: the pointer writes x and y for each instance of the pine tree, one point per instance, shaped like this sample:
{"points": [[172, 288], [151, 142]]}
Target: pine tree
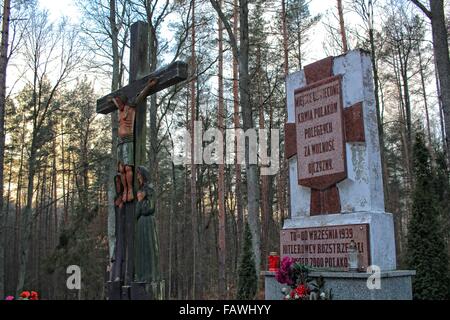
{"points": [[427, 252], [247, 281]]}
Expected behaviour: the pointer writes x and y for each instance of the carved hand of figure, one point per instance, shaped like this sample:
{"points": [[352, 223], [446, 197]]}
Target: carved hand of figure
{"points": [[141, 196], [119, 103], [119, 202]]}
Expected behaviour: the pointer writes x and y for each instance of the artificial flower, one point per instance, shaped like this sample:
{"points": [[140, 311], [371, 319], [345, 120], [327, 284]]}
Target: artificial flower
{"points": [[34, 295], [283, 274], [25, 295], [10, 298], [301, 291]]}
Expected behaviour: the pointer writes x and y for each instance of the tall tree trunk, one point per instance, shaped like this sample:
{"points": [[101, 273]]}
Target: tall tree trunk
{"points": [[441, 112], [195, 256], [153, 50], [265, 197], [425, 99], [342, 26], [8, 226], [248, 123], [441, 52], [27, 219], [18, 215], [114, 33], [221, 181], [172, 232], [264, 203], [3, 66], [65, 212], [285, 38], [283, 188], [184, 266], [237, 126], [54, 202], [406, 96]]}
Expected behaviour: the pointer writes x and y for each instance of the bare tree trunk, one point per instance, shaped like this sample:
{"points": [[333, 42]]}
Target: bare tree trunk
{"points": [[248, 123], [265, 198], [27, 219], [237, 125], [264, 203], [65, 212], [114, 125], [18, 214], [54, 201], [283, 189], [425, 99], [172, 230], [3, 66], [195, 284], [184, 265], [153, 50], [441, 53], [285, 38], [441, 116], [221, 184], [342, 26], [8, 196]]}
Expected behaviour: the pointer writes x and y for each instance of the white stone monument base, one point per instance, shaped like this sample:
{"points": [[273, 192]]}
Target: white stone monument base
{"points": [[381, 232], [394, 285]]}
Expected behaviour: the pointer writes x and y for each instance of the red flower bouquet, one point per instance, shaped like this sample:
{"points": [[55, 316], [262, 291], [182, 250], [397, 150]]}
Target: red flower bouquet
{"points": [[295, 275], [29, 295]]}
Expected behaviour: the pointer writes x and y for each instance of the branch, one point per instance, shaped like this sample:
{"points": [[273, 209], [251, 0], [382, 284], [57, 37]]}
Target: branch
{"points": [[423, 8], [227, 26]]}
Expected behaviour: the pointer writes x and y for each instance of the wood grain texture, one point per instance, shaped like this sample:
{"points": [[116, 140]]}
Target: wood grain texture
{"points": [[168, 76]]}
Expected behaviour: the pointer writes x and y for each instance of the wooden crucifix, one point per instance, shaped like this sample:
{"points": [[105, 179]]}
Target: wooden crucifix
{"points": [[132, 179]]}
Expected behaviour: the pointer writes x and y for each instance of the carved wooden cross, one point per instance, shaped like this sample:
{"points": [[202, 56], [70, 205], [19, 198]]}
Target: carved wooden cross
{"points": [[131, 103]]}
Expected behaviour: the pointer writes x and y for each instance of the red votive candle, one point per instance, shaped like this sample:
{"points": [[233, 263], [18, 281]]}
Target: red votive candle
{"points": [[274, 262]]}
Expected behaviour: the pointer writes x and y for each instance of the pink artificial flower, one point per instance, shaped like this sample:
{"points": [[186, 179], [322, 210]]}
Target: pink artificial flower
{"points": [[10, 298], [283, 274]]}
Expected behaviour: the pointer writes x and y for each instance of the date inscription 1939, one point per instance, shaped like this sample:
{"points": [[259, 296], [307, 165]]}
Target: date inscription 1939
{"points": [[326, 247]]}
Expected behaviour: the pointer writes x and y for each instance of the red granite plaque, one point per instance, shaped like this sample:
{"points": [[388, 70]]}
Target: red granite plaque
{"points": [[325, 248], [320, 134]]}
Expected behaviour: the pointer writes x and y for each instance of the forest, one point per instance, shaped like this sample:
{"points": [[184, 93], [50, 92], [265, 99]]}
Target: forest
{"points": [[57, 158]]}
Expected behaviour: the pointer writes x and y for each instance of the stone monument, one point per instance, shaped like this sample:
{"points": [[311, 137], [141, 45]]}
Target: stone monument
{"points": [[336, 182]]}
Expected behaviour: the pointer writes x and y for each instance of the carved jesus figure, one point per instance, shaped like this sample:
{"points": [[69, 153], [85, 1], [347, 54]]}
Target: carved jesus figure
{"points": [[125, 147]]}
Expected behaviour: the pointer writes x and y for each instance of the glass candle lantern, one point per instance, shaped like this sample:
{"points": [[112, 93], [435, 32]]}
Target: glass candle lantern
{"points": [[353, 256], [274, 262]]}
